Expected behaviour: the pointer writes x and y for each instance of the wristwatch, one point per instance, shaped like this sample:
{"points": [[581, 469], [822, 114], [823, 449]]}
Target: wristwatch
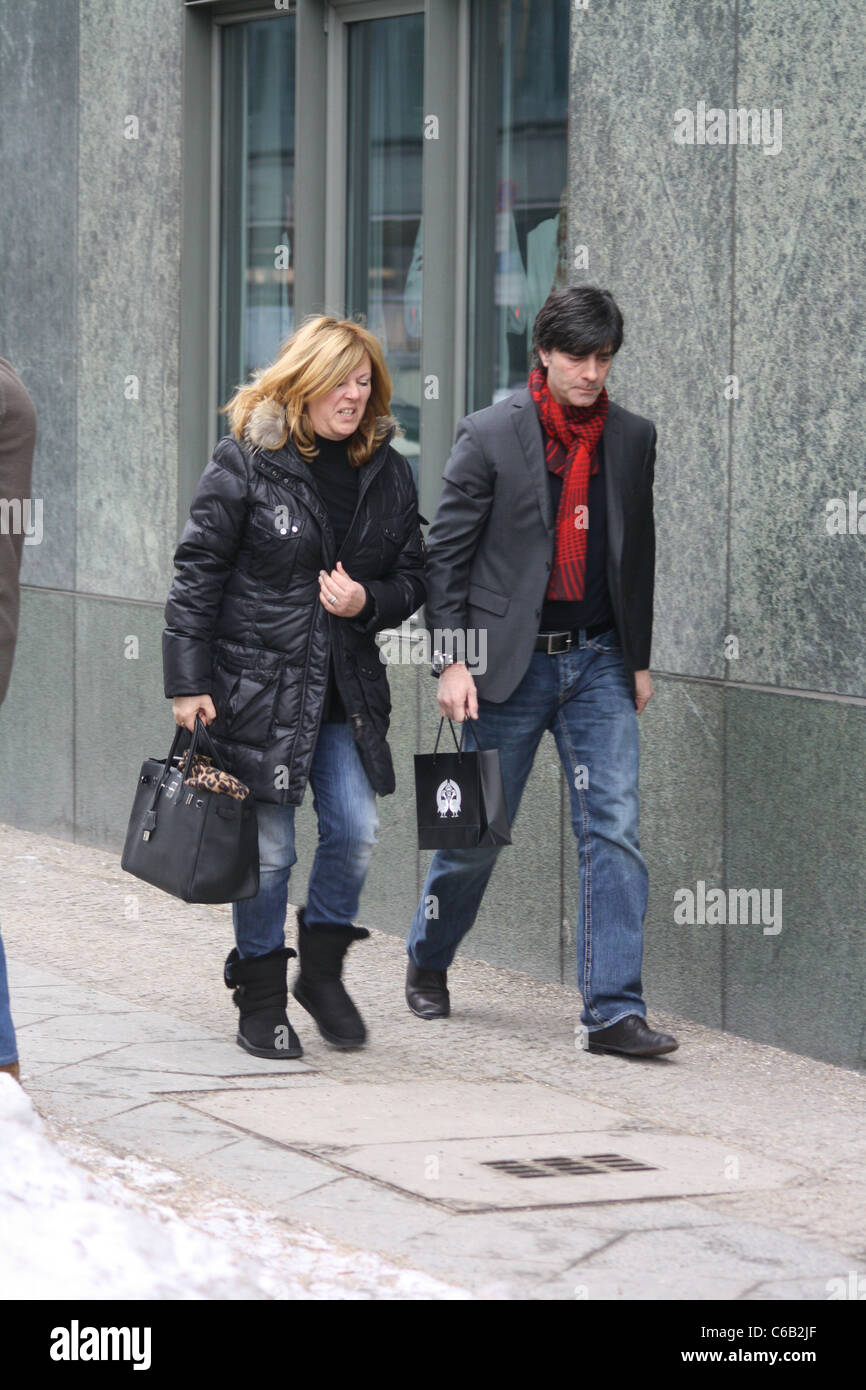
{"points": [[440, 661]]}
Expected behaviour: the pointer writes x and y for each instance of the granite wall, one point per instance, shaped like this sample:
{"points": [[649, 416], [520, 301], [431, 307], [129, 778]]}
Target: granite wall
{"points": [[90, 108], [739, 264]]}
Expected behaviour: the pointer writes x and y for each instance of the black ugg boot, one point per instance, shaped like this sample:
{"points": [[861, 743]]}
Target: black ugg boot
{"points": [[319, 988], [261, 993]]}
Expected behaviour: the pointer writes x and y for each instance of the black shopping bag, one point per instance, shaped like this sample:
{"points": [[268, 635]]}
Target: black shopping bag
{"points": [[460, 798], [198, 842]]}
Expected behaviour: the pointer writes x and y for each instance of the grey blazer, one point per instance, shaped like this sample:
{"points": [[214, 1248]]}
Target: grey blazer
{"points": [[490, 546]]}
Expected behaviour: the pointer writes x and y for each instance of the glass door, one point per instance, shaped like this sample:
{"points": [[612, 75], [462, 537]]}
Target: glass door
{"points": [[519, 166], [383, 225], [257, 197]]}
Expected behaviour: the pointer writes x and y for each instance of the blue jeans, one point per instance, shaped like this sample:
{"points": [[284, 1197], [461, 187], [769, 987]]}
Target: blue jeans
{"points": [[345, 805], [8, 1047], [584, 697]]}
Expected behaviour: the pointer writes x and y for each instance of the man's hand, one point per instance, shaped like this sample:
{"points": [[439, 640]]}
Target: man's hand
{"points": [[643, 690], [341, 595], [457, 696]]}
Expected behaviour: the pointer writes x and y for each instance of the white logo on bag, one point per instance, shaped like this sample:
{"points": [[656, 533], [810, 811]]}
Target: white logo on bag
{"points": [[448, 798]]}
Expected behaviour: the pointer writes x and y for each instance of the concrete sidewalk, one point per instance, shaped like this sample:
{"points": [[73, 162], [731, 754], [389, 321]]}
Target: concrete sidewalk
{"points": [[485, 1151]]}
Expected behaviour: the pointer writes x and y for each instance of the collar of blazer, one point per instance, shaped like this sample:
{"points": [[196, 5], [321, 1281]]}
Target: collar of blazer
{"points": [[531, 436]]}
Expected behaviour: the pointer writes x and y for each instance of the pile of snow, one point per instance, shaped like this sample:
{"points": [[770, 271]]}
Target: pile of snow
{"points": [[70, 1234]]}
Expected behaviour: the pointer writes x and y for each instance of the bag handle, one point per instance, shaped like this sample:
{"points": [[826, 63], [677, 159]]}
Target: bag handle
{"points": [[453, 735], [199, 729], [467, 723]]}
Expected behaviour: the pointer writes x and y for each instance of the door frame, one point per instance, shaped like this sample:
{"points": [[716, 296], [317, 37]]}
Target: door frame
{"points": [[320, 196]]}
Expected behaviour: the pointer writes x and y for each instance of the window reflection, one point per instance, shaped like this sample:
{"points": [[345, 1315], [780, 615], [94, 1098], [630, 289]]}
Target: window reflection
{"points": [[519, 164], [383, 225], [257, 190]]}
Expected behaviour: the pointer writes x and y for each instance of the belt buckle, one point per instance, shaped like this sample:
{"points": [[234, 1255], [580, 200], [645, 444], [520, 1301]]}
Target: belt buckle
{"points": [[559, 650]]}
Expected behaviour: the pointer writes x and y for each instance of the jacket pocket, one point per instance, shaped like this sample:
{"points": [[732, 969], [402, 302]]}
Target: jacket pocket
{"points": [[489, 599], [370, 675], [390, 541], [245, 693], [275, 537]]}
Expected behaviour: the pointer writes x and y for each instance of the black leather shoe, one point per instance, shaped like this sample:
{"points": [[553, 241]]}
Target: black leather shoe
{"points": [[631, 1037], [427, 991]]}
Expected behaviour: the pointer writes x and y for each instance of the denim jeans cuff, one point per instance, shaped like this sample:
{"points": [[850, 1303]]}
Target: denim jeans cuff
{"points": [[595, 1027]]}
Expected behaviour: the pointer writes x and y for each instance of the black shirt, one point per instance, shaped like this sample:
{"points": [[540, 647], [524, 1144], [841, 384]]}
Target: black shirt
{"points": [[337, 485], [561, 615]]}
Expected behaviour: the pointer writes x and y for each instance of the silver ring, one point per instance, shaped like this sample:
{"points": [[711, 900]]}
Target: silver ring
{"points": [[331, 599]]}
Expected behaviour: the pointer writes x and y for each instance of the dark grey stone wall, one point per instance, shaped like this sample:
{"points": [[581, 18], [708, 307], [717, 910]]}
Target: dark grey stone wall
{"points": [[90, 292], [732, 262]]}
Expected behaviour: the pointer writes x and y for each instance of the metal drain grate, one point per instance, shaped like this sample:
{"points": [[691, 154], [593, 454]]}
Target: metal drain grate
{"points": [[563, 1166]]}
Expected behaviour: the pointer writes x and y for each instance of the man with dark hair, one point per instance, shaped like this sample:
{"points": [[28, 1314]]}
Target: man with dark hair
{"points": [[544, 538]]}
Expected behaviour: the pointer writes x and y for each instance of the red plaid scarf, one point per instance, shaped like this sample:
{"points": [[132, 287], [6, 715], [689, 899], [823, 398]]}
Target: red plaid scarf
{"points": [[571, 434]]}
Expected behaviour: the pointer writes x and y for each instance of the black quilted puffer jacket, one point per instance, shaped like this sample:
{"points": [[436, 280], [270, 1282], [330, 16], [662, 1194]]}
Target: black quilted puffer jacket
{"points": [[244, 623]]}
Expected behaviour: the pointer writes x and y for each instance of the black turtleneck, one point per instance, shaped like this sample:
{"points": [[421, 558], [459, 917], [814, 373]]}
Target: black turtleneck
{"points": [[337, 482]]}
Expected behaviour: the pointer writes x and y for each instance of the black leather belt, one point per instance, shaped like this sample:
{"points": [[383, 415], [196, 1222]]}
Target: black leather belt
{"points": [[555, 642]]}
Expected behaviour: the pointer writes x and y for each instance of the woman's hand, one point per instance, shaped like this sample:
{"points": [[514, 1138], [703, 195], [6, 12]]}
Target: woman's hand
{"points": [[186, 707], [340, 594]]}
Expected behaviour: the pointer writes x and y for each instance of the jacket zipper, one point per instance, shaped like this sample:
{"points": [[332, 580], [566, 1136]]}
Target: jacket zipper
{"points": [[368, 473], [303, 702], [318, 510], [371, 470]]}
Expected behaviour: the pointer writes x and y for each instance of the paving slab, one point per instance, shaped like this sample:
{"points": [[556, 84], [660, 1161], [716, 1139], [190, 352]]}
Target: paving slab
{"points": [[124, 1027], [78, 1107], [57, 997], [24, 1016], [203, 1056], [560, 1169], [499, 1237], [339, 1115], [685, 1264], [47, 1052], [23, 976], [164, 1130], [273, 1175], [373, 1217]]}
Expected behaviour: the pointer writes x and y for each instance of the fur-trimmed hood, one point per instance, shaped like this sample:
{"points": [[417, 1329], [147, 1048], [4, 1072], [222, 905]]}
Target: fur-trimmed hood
{"points": [[267, 426]]}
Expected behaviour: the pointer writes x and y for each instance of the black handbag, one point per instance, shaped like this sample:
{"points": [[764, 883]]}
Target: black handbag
{"points": [[460, 797], [193, 841]]}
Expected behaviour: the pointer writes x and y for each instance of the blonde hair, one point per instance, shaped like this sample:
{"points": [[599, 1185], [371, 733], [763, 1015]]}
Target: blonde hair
{"points": [[312, 362]]}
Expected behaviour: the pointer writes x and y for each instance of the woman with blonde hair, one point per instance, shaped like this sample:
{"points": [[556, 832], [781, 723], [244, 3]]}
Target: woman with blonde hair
{"points": [[303, 541]]}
